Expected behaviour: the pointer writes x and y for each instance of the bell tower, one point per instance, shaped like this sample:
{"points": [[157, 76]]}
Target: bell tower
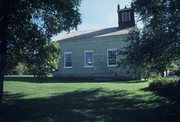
{"points": [[125, 17]]}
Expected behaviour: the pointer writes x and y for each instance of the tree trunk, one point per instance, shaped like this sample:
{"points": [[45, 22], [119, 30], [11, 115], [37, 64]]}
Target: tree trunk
{"points": [[4, 21], [3, 60], [162, 73], [2, 68]]}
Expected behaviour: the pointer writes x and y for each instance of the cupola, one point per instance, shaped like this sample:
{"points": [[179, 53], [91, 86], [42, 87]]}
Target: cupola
{"points": [[125, 17]]}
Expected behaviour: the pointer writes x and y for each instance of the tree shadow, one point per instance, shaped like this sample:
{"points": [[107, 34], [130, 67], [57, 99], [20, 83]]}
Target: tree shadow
{"points": [[11, 97], [88, 105], [133, 81], [24, 79], [52, 80], [172, 93], [66, 80]]}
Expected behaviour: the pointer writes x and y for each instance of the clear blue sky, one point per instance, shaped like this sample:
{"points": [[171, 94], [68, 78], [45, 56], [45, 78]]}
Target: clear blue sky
{"points": [[100, 13], [97, 14]]}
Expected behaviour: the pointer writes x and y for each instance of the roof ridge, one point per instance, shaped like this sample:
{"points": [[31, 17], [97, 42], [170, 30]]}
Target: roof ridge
{"points": [[95, 33], [92, 30]]}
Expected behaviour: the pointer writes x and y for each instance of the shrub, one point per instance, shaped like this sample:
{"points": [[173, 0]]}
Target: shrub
{"points": [[166, 86], [177, 72], [162, 82]]}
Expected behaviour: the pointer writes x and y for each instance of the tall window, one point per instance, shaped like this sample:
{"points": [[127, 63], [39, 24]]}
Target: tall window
{"points": [[126, 16], [88, 58], [112, 57], [67, 59]]}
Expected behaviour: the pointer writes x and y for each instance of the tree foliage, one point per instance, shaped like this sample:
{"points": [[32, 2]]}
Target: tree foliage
{"points": [[26, 28], [157, 45], [29, 25], [41, 64], [45, 61]]}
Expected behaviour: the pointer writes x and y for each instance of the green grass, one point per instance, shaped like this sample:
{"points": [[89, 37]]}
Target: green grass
{"points": [[20, 76], [58, 100]]}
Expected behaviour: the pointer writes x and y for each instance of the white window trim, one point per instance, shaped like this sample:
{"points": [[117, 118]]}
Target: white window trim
{"points": [[87, 51], [108, 57], [67, 67]]}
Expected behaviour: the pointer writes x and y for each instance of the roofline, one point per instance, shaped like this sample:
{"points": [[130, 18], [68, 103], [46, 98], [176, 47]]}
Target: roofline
{"points": [[106, 32], [124, 9], [91, 37]]}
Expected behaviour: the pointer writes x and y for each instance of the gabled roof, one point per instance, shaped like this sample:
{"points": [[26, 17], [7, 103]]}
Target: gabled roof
{"points": [[95, 33]]}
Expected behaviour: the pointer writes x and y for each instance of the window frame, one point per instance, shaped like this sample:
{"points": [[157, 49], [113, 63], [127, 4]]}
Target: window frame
{"points": [[129, 16], [88, 51], [123, 18], [108, 58], [67, 67]]}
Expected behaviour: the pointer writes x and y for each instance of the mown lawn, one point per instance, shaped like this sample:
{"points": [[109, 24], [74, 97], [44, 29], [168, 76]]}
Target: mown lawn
{"points": [[28, 100]]}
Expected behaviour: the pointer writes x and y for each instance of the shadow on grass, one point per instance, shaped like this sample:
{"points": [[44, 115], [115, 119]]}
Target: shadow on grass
{"points": [[31, 79], [172, 93], [134, 81], [87, 105], [65, 80]]}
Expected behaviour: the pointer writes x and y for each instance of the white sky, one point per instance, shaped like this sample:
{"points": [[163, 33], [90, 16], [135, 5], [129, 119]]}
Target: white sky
{"points": [[97, 14]]}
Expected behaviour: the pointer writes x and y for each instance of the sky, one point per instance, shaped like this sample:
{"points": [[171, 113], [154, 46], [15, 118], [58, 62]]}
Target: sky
{"points": [[99, 14]]}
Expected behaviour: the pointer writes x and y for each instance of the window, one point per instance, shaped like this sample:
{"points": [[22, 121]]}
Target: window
{"points": [[126, 16], [67, 59], [88, 58], [112, 57]]}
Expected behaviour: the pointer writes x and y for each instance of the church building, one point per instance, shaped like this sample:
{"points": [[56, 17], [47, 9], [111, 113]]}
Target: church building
{"points": [[94, 53]]}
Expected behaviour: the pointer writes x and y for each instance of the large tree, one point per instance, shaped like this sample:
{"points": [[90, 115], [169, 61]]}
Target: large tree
{"points": [[26, 28], [157, 45]]}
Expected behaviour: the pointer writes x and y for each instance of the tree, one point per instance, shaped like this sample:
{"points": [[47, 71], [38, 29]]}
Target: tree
{"points": [[26, 28], [45, 61], [157, 45], [20, 69]]}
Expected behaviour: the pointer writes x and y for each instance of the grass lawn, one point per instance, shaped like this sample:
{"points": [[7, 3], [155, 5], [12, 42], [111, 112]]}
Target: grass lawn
{"points": [[26, 100]]}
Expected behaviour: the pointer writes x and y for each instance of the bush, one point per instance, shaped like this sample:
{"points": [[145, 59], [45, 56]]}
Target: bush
{"points": [[177, 73], [166, 86], [161, 83]]}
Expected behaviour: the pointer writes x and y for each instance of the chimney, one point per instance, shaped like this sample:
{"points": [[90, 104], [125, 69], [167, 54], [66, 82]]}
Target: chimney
{"points": [[125, 17]]}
